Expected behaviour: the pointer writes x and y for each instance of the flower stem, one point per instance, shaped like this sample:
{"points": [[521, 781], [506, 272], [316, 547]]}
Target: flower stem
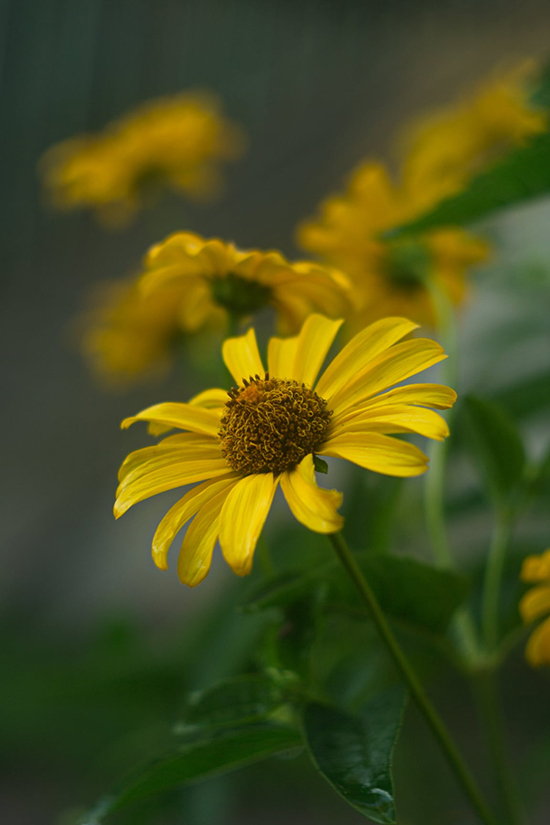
{"points": [[493, 577], [410, 679]]}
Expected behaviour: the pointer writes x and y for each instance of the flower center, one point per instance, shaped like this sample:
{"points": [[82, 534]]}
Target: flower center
{"points": [[238, 295], [270, 425], [407, 264]]}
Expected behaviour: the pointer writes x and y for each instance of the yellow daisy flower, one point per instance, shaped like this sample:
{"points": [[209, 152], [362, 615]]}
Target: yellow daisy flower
{"points": [[388, 277], [443, 150], [535, 604], [240, 446], [189, 283], [177, 141]]}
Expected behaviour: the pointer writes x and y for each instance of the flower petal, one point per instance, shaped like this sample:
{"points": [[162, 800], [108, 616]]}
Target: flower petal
{"points": [[392, 366], [360, 351], [535, 603], [243, 517], [379, 453], [210, 399], [175, 448], [313, 506], [242, 357], [536, 568], [167, 478], [281, 357], [181, 512], [421, 395], [537, 652], [393, 418], [314, 341], [196, 551], [183, 416]]}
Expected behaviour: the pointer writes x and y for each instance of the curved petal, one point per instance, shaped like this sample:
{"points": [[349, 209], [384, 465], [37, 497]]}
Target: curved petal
{"points": [[281, 357], [181, 512], [360, 351], [420, 395], [243, 517], [394, 418], [391, 367], [210, 399], [242, 357], [535, 603], [198, 545], [158, 481], [167, 452], [183, 416], [537, 652], [379, 453], [313, 506], [314, 341]]}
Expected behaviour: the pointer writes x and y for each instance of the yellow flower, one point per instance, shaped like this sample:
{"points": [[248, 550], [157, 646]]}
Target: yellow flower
{"points": [[268, 430], [388, 277], [443, 150], [177, 141], [535, 604]]}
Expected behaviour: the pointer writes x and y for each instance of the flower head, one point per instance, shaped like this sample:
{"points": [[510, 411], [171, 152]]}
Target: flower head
{"points": [[176, 141], [240, 446], [388, 277], [443, 150], [535, 604]]}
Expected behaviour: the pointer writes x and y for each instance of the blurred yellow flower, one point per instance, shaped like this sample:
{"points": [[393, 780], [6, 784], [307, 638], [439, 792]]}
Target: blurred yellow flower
{"points": [[176, 141], [190, 282], [268, 430], [443, 150], [388, 277], [535, 604]]}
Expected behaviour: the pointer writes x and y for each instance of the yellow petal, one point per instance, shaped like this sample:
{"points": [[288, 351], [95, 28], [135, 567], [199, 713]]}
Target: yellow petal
{"points": [[392, 366], [144, 464], [536, 568], [182, 416], [242, 358], [176, 475], [243, 517], [168, 446], [379, 453], [313, 506], [281, 357], [537, 652], [314, 341], [423, 395], [210, 399], [196, 551], [393, 418], [535, 603], [181, 512], [360, 351]]}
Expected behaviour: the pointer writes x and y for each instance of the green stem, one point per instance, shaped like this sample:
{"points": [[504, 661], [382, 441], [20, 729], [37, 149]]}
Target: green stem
{"points": [[491, 712], [493, 577], [410, 679]]}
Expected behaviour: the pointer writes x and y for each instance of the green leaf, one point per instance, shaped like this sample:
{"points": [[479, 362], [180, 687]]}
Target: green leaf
{"points": [[231, 703], [320, 464], [212, 755], [541, 93], [521, 176], [526, 397], [497, 446], [354, 752]]}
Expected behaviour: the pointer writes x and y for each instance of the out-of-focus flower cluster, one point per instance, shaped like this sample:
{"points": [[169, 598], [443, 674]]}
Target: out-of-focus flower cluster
{"points": [[534, 605]]}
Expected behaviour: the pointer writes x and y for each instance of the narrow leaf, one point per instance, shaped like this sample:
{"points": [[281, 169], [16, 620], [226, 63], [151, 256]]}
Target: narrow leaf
{"points": [[354, 752]]}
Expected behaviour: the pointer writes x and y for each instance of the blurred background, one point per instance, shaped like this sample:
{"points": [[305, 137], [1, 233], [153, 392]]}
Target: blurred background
{"points": [[96, 641]]}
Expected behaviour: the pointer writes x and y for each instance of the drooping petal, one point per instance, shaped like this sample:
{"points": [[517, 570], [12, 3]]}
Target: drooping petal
{"points": [[360, 351], [242, 357], [313, 506], [176, 475], [281, 357], [243, 517], [181, 512], [210, 399], [183, 416], [166, 458], [535, 603], [196, 551], [168, 446], [393, 418], [391, 367], [314, 341], [379, 453], [537, 652], [421, 395]]}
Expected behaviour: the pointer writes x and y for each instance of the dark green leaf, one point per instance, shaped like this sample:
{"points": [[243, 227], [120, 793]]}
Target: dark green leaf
{"points": [[521, 176], [231, 703], [320, 464], [354, 752], [541, 93], [528, 397], [285, 588], [497, 446], [205, 757]]}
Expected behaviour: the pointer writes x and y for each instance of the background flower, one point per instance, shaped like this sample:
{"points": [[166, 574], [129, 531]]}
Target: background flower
{"points": [[535, 604]]}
